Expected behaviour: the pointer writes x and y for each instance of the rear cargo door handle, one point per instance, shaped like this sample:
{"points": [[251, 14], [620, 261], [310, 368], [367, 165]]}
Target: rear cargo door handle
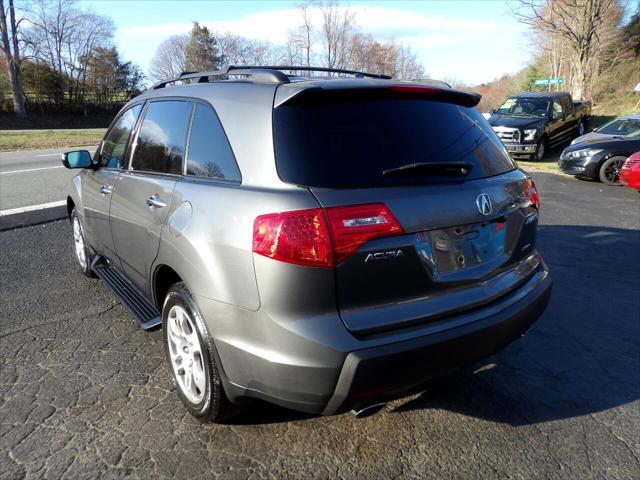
{"points": [[156, 202], [106, 189]]}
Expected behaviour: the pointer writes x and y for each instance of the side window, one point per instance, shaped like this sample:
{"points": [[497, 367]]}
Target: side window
{"points": [[115, 143], [566, 105], [162, 137], [557, 108], [210, 154]]}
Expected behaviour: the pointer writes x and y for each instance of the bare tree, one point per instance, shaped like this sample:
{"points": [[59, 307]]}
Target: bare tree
{"points": [[337, 26], [237, 50], [11, 53], [389, 58], [578, 29], [170, 59], [62, 36], [305, 36]]}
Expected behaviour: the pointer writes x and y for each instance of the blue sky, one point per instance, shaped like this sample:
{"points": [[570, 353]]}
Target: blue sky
{"points": [[472, 41]]}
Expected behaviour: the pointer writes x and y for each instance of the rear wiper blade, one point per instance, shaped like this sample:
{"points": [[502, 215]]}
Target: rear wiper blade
{"points": [[449, 169]]}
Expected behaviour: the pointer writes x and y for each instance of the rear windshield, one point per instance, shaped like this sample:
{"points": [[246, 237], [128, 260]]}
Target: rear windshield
{"points": [[333, 140]]}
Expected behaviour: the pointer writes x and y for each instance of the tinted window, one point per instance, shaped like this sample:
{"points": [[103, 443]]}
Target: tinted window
{"points": [[557, 108], [209, 152], [336, 141], [567, 106], [162, 137], [115, 143]]}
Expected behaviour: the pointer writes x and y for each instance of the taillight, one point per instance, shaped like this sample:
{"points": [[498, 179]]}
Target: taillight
{"points": [[531, 193], [299, 237], [315, 238], [353, 226]]}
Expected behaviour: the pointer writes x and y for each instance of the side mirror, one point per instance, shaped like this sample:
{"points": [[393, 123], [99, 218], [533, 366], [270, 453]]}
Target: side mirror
{"points": [[77, 159], [558, 116], [493, 111]]}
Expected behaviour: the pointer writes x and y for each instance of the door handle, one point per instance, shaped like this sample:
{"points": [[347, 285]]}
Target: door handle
{"points": [[106, 189], [156, 202]]}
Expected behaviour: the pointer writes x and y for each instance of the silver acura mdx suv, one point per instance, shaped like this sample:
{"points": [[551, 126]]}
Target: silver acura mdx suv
{"points": [[321, 239]]}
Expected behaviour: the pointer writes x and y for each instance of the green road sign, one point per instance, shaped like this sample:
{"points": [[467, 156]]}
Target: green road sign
{"points": [[550, 81]]}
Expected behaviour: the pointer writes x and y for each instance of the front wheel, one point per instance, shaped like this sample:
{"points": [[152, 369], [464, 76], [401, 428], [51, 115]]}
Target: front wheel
{"points": [[189, 350], [610, 171], [541, 149], [83, 254]]}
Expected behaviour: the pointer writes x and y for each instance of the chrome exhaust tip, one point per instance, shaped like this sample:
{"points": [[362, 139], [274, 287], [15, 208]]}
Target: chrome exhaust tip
{"points": [[368, 410]]}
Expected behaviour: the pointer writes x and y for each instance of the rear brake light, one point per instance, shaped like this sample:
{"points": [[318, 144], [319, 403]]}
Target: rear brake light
{"points": [[311, 238], [299, 237], [353, 226], [531, 193]]}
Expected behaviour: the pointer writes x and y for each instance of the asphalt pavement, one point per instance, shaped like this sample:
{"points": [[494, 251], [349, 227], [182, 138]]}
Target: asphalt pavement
{"points": [[31, 178], [85, 393]]}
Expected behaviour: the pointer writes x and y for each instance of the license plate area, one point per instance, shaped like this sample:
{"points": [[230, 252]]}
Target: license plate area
{"points": [[467, 246]]}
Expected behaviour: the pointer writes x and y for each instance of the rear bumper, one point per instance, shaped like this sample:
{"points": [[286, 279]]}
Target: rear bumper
{"points": [[390, 371], [630, 178]]}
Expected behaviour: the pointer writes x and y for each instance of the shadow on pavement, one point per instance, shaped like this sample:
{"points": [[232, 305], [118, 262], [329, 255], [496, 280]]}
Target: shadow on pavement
{"points": [[581, 357]]}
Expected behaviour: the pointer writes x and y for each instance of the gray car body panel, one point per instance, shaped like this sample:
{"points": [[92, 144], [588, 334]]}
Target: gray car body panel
{"points": [[277, 327]]}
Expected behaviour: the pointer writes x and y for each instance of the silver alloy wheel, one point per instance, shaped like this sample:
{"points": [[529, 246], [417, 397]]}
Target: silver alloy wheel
{"points": [[581, 129], [78, 239], [185, 352]]}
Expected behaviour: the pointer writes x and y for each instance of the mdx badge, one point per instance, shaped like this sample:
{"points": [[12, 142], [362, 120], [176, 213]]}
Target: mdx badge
{"points": [[383, 255], [483, 203]]}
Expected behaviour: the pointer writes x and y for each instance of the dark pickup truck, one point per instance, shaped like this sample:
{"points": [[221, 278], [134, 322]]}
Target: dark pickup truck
{"points": [[530, 122]]}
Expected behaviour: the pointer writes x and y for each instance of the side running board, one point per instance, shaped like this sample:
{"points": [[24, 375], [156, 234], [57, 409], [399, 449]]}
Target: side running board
{"points": [[136, 302]]}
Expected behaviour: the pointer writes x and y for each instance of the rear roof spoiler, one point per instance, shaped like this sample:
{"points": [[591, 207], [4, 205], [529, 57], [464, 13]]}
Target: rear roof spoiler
{"points": [[397, 90]]}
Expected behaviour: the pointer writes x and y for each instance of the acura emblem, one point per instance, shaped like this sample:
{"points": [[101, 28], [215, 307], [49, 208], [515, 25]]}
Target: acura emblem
{"points": [[484, 204]]}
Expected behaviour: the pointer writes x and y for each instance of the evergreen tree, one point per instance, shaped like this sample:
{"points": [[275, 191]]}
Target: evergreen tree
{"points": [[202, 50]]}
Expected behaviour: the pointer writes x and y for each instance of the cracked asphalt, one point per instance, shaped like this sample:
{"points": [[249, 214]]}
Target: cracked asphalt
{"points": [[85, 393]]}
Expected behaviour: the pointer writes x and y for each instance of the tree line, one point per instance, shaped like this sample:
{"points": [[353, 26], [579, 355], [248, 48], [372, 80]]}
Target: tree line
{"points": [[327, 35], [60, 56], [57, 55]]}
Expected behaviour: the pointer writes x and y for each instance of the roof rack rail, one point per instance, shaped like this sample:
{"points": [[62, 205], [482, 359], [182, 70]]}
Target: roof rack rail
{"points": [[267, 74], [299, 68]]}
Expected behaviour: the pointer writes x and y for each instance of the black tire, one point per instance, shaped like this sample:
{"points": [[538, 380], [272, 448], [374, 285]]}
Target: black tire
{"points": [[609, 172], [215, 405], [541, 149], [83, 248]]}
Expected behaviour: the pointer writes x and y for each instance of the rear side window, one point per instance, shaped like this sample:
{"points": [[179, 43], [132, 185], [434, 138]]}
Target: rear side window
{"points": [[567, 106], [333, 140], [115, 143], [210, 154], [162, 137]]}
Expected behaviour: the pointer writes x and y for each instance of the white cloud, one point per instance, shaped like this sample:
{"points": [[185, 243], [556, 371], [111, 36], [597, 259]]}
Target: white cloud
{"points": [[429, 36]]}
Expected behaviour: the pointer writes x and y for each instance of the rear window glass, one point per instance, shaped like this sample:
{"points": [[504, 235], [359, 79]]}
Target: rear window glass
{"points": [[333, 140]]}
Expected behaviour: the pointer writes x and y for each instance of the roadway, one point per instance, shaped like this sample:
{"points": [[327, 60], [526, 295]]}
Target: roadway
{"points": [[30, 179]]}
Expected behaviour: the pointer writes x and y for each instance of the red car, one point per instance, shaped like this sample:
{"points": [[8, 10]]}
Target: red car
{"points": [[630, 172]]}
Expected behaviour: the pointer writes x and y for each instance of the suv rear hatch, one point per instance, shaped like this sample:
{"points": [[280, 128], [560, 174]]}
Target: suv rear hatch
{"points": [[467, 216]]}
